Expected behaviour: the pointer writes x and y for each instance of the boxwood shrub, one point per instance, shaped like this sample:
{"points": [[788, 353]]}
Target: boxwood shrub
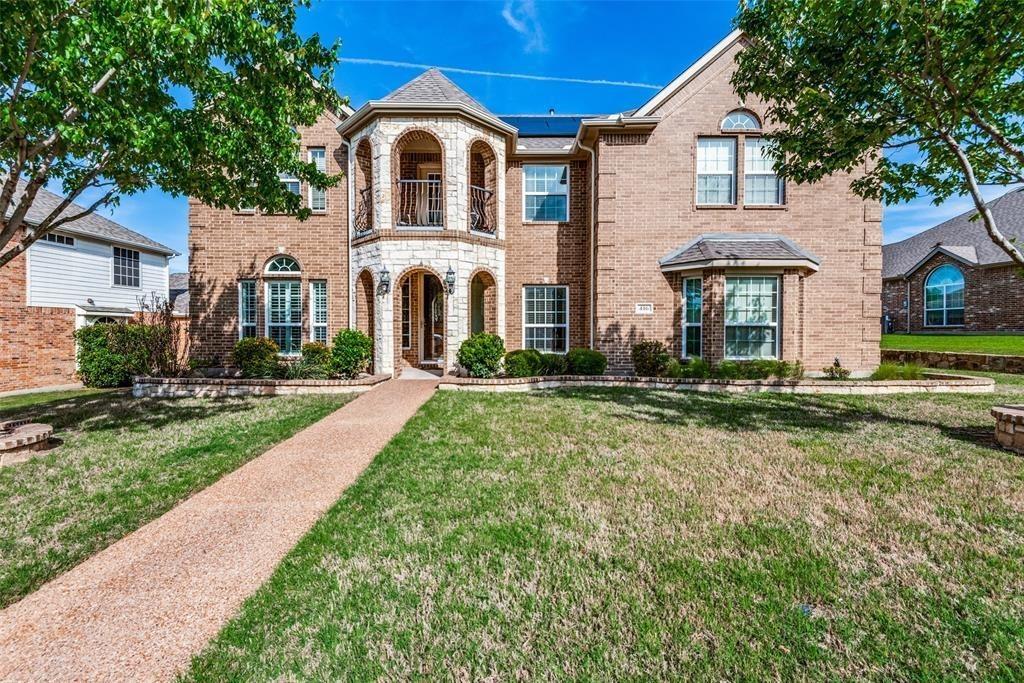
{"points": [[523, 363], [553, 364], [586, 362], [352, 353], [481, 354]]}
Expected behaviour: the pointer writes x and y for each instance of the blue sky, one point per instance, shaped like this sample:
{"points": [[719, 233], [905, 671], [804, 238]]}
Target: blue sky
{"points": [[598, 40]]}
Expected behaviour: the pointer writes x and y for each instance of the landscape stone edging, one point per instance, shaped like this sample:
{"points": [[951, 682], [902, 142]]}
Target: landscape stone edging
{"points": [[218, 387], [1010, 427], [956, 361], [937, 384]]}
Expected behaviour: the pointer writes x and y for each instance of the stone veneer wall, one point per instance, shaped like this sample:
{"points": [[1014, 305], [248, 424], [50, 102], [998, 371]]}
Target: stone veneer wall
{"points": [[957, 361]]}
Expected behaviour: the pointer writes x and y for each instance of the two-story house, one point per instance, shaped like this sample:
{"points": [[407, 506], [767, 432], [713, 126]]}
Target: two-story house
{"points": [[665, 222], [89, 270]]}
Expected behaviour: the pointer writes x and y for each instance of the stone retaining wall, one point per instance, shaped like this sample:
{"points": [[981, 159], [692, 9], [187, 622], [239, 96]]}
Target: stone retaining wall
{"points": [[1010, 427], [934, 384], [208, 387], [956, 361]]}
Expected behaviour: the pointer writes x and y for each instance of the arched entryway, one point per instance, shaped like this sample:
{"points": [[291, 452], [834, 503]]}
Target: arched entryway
{"points": [[483, 303], [421, 320]]}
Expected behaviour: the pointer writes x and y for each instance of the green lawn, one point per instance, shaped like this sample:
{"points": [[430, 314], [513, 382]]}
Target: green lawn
{"points": [[995, 344], [620, 534], [122, 463]]}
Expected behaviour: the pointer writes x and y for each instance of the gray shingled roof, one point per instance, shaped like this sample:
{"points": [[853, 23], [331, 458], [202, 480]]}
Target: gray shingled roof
{"points": [[960, 237], [92, 225], [737, 247], [178, 292], [432, 86], [545, 143]]}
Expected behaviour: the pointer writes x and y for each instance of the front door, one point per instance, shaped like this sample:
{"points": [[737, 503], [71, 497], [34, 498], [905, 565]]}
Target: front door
{"points": [[432, 351]]}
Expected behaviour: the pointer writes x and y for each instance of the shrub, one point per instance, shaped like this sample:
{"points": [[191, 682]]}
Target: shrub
{"points": [[306, 368], [650, 358], [674, 369], [256, 357], [481, 354], [890, 371], [728, 369], [316, 353], [523, 363], [553, 364], [586, 362], [696, 368], [835, 371], [352, 353], [98, 364]]}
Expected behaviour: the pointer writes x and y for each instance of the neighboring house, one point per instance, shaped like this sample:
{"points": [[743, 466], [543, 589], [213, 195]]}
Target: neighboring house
{"points": [[178, 294], [554, 232], [953, 277], [90, 270]]}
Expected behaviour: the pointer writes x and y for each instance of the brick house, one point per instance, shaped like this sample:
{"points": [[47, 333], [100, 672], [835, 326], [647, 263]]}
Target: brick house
{"points": [[954, 278], [89, 270], [554, 232]]}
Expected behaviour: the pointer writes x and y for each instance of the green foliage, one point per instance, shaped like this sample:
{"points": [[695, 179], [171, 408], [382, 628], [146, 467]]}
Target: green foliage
{"points": [[850, 80], [835, 371], [109, 355], [695, 368], [650, 359], [586, 362], [481, 354], [891, 371], [523, 363], [305, 368], [316, 353], [256, 357], [352, 353], [728, 369], [101, 100], [553, 364]]}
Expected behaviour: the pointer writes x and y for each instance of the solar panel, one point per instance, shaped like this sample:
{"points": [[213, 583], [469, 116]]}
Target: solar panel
{"points": [[545, 126]]}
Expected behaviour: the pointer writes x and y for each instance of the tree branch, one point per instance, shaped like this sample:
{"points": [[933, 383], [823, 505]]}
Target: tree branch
{"points": [[30, 238], [71, 113]]}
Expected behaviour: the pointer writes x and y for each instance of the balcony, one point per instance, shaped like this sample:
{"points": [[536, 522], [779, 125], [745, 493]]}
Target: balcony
{"points": [[364, 211], [420, 204], [481, 210]]}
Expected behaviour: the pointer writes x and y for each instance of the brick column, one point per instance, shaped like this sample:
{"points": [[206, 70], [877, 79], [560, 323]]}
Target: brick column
{"points": [[713, 316], [792, 315]]}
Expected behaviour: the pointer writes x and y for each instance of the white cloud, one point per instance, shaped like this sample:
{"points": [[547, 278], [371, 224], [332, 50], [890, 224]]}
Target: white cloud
{"points": [[521, 16]]}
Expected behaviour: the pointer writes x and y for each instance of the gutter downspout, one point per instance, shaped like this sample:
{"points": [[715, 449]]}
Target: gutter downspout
{"points": [[593, 246], [350, 219], [908, 305]]}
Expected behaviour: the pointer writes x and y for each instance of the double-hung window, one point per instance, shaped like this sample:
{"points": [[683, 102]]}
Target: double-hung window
{"points": [[546, 318], [318, 311], [546, 193], [692, 301], [751, 317], [716, 171], [318, 195], [284, 314], [246, 309], [126, 267], [761, 186]]}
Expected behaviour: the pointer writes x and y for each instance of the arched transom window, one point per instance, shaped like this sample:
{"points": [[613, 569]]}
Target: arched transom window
{"points": [[740, 120], [283, 264], [944, 297]]}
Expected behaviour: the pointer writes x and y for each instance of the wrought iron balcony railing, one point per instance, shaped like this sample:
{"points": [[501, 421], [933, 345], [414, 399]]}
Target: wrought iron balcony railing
{"points": [[420, 204], [364, 211], [481, 209]]}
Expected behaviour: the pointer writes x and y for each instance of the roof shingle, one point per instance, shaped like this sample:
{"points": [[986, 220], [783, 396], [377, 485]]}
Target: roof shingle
{"points": [[432, 86], [737, 247]]}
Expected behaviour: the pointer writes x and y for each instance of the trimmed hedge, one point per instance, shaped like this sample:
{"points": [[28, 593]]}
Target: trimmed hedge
{"points": [[586, 362], [352, 353], [523, 363], [481, 355], [256, 357], [98, 364], [553, 364]]}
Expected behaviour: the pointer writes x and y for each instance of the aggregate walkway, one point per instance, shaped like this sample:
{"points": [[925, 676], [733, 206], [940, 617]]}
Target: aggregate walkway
{"points": [[142, 608]]}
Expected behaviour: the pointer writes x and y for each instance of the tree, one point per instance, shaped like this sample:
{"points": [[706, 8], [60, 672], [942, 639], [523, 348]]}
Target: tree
{"points": [[924, 94], [197, 97]]}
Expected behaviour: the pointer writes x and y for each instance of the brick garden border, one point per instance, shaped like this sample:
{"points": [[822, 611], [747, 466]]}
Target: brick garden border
{"points": [[209, 387], [1010, 427], [957, 361], [935, 384]]}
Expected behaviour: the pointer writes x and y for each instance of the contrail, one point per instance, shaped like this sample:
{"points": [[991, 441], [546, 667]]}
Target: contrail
{"points": [[477, 72]]}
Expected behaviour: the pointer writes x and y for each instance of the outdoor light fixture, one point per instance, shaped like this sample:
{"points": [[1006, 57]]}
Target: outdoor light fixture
{"points": [[449, 280], [384, 286]]}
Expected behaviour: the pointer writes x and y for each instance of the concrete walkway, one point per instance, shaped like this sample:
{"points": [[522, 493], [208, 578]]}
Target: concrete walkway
{"points": [[141, 609]]}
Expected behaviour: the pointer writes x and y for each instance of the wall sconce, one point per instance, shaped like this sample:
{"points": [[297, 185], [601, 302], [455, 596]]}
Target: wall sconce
{"points": [[449, 280], [384, 285]]}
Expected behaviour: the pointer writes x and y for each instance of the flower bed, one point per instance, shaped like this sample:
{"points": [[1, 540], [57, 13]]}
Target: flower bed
{"points": [[213, 387], [936, 383]]}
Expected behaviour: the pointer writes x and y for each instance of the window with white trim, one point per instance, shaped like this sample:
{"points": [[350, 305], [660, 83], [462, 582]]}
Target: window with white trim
{"points": [[693, 295], [546, 193], [291, 183], [56, 238], [716, 171], [406, 315], [246, 309], [761, 186], [318, 311], [944, 297], [751, 317], [282, 264], [546, 318], [318, 195], [284, 315], [126, 267], [740, 120]]}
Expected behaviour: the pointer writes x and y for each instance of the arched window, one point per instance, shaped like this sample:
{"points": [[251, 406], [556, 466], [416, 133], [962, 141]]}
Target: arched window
{"points": [[282, 265], [944, 297], [740, 120]]}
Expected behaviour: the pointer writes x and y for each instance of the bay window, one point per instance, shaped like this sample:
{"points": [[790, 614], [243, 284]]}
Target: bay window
{"points": [[751, 317], [692, 313]]}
